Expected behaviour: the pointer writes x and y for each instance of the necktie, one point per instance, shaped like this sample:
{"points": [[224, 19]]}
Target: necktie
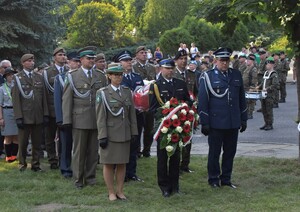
{"points": [[128, 77], [118, 91], [89, 74], [29, 75], [171, 83], [182, 74], [61, 70]]}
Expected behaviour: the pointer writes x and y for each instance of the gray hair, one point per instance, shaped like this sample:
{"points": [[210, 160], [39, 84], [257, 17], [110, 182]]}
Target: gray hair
{"points": [[5, 61]]}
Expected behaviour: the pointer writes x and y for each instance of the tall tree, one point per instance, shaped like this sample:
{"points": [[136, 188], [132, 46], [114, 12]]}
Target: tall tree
{"points": [[281, 13], [94, 24], [161, 15], [27, 27]]}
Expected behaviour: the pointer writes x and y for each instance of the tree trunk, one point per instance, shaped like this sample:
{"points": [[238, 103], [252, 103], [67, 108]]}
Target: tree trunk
{"points": [[297, 62]]}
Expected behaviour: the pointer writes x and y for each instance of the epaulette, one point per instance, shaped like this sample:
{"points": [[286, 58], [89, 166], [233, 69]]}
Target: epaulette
{"points": [[103, 88], [71, 71], [47, 68]]}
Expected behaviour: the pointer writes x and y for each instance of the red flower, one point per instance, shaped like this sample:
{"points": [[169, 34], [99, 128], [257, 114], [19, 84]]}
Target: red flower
{"points": [[186, 128], [165, 111], [176, 123], [190, 117], [175, 138], [186, 139], [182, 117], [167, 123], [187, 109], [174, 101], [171, 108]]}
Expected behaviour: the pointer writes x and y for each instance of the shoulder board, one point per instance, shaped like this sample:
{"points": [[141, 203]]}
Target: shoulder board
{"points": [[71, 71], [47, 68], [95, 69]]}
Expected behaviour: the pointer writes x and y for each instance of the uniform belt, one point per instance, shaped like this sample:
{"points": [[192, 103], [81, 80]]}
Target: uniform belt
{"points": [[7, 107]]}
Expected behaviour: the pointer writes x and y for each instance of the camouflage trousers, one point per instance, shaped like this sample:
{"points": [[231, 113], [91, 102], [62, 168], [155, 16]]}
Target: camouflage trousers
{"points": [[267, 110], [251, 105], [282, 86]]}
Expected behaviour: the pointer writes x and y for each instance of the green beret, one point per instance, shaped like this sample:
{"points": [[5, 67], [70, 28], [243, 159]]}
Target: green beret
{"points": [[26, 57], [270, 60]]}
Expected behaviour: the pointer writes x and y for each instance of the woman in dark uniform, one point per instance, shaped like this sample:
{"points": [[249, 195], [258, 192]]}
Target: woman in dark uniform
{"points": [[7, 119], [117, 126]]}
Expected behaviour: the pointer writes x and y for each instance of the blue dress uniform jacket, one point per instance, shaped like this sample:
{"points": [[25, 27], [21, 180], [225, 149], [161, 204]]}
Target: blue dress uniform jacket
{"points": [[136, 80], [225, 112]]}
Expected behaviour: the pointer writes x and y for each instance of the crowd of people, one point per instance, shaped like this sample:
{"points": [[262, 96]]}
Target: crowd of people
{"points": [[83, 109]]}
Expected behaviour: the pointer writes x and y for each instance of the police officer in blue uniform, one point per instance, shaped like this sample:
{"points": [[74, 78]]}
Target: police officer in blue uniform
{"points": [[131, 80], [223, 111], [167, 87]]}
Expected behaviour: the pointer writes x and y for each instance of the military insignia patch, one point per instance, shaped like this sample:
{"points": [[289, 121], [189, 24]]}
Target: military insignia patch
{"points": [[66, 80]]}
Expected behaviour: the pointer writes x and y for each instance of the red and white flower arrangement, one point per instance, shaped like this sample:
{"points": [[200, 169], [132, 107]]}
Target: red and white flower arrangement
{"points": [[176, 124]]}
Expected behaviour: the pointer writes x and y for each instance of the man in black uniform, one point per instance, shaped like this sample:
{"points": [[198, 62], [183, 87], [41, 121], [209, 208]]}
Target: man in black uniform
{"points": [[223, 111], [168, 87]]}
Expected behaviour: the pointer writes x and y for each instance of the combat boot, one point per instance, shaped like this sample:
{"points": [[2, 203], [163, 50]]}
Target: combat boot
{"points": [[263, 127], [282, 100], [268, 127]]}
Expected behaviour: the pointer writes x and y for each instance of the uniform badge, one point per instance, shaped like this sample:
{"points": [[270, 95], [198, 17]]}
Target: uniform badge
{"points": [[66, 80], [218, 90]]}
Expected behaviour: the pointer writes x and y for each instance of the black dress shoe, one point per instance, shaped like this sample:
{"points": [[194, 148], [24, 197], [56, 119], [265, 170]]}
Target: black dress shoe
{"points": [[268, 127], [229, 184], [53, 166], [166, 194], [262, 128], [36, 169], [22, 168], [187, 170], [146, 154], [215, 185], [135, 178]]}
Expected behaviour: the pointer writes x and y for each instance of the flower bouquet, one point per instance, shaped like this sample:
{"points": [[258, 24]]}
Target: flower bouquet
{"points": [[176, 124]]}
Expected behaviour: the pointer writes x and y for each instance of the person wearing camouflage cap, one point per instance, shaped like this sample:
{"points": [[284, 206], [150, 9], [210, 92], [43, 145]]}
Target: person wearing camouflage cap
{"points": [[269, 84]]}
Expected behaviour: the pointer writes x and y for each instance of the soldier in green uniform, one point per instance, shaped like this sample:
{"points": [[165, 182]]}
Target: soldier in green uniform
{"points": [[117, 126], [190, 78], [269, 84], [147, 72], [59, 67], [250, 82], [285, 67], [277, 68], [78, 107], [261, 67], [31, 111], [242, 63]]}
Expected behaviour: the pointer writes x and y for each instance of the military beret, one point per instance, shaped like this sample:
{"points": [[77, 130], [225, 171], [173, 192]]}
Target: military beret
{"points": [[26, 57], [270, 60], [180, 53], [140, 48], [123, 55], [58, 49], [114, 68], [251, 57], [88, 51], [262, 51], [73, 56], [223, 52], [282, 52], [166, 63], [100, 56], [8, 71]]}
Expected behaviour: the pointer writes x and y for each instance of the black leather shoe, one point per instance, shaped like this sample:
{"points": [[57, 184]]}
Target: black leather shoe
{"points": [[136, 178], [166, 194], [229, 184], [53, 166], [36, 169], [215, 185], [187, 170], [146, 154], [268, 127], [22, 168], [262, 128]]}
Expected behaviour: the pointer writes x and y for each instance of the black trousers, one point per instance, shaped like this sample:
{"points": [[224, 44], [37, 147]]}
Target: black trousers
{"points": [[134, 146], [148, 132], [50, 133], [65, 142], [168, 170], [218, 139]]}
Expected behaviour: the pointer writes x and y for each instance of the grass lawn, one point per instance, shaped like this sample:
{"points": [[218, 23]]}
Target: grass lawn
{"points": [[264, 184]]}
